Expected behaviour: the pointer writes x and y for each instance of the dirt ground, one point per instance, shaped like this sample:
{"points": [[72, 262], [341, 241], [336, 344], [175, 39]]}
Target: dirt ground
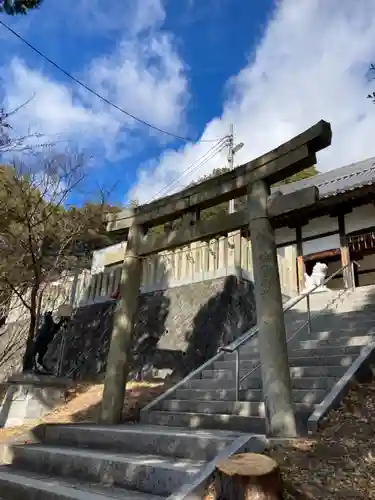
{"points": [[83, 405], [339, 463]]}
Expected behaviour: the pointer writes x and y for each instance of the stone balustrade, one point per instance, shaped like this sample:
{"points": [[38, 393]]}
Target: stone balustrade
{"points": [[194, 263]]}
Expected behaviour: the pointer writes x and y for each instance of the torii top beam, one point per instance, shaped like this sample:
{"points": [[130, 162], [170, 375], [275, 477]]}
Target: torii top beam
{"points": [[276, 165]]}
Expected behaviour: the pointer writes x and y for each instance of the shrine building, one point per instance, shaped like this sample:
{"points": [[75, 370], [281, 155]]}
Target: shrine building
{"points": [[339, 229]]}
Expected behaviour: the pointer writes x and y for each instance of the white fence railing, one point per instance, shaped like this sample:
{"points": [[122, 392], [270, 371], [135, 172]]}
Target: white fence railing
{"points": [[192, 263]]}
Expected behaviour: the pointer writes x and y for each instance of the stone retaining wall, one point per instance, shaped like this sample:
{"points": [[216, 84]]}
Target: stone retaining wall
{"points": [[176, 331]]}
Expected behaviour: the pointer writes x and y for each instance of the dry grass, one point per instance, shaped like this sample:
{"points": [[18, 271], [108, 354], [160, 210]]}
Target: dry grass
{"points": [[83, 405], [339, 463]]}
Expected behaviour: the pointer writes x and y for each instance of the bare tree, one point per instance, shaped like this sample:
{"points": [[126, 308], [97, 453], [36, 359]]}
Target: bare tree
{"points": [[42, 233], [371, 74], [10, 143]]}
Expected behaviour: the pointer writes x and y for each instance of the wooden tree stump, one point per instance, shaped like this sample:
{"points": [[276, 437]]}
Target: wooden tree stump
{"points": [[248, 476]]}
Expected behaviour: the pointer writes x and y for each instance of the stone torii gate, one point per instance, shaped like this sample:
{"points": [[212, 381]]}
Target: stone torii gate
{"points": [[262, 214]]}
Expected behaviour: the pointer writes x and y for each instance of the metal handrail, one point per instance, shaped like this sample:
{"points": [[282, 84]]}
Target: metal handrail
{"points": [[291, 304], [179, 384], [236, 344]]}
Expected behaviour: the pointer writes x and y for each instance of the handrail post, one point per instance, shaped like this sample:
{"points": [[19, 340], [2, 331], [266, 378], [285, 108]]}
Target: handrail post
{"points": [[60, 360], [308, 313], [237, 351], [352, 280]]}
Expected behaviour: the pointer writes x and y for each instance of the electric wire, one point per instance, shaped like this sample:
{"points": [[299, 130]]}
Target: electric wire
{"points": [[96, 94], [211, 153], [196, 166], [191, 169], [200, 162]]}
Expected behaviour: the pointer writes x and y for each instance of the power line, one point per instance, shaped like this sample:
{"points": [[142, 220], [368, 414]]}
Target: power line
{"points": [[202, 160], [194, 166], [104, 99], [201, 164]]}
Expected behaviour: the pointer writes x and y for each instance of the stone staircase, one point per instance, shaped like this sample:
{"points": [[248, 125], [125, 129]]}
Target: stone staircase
{"points": [[318, 361], [135, 462], [172, 452]]}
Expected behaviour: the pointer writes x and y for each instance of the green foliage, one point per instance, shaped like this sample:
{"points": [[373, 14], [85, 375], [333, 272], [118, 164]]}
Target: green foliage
{"points": [[304, 174], [215, 173], [133, 204], [222, 208], [39, 236], [15, 7]]}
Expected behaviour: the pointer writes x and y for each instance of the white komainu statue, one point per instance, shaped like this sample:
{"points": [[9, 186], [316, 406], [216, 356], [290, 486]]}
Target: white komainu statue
{"points": [[317, 277]]}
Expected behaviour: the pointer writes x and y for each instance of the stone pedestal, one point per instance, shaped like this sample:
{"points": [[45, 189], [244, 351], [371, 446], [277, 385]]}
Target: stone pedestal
{"points": [[29, 397]]}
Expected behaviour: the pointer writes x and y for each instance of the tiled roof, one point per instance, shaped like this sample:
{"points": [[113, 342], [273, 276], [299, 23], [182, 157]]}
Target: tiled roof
{"points": [[338, 181]]}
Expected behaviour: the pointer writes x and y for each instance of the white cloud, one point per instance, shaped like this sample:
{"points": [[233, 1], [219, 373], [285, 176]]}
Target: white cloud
{"points": [[310, 64], [144, 76], [152, 13], [52, 110], [146, 79], [131, 16]]}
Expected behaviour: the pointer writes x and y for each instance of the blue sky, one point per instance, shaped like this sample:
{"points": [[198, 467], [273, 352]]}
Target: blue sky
{"points": [[191, 67]]}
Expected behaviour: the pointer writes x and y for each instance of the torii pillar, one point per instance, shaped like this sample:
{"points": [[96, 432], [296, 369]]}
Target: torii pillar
{"points": [[262, 210], [119, 354], [277, 390]]}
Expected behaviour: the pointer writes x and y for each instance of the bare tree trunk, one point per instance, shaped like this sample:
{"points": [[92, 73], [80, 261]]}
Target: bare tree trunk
{"points": [[28, 356], [247, 476], [39, 307]]}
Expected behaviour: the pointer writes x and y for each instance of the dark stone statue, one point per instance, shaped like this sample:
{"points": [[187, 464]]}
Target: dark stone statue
{"points": [[44, 337]]}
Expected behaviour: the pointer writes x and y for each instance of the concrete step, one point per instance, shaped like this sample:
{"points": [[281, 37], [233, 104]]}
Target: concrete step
{"points": [[145, 473], [295, 351], [361, 313], [353, 321], [227, 376], [311, 395], [322, 339], [172, 442], [247, 365], [337, 334], [346, 340], [223, 375], [220, 393], [239, 408], [224, 379], [20, 485], [358, 307], [328, 360], [252, 425], [329, 322], [320, 299], [345, 329]]}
